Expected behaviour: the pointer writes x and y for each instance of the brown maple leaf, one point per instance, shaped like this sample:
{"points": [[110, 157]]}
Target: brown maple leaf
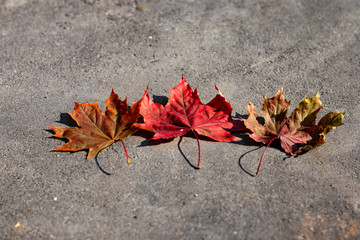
{"points": [[296, 133], [97, 130], [184, 112]]}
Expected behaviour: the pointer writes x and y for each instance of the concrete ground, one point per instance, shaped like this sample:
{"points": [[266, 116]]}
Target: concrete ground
{"points": [[56, 52]]}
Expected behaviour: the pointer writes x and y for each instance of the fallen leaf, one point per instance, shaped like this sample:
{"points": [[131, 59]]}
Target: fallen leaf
{"points": [[184, 112], [296, 133], [96, 131]]}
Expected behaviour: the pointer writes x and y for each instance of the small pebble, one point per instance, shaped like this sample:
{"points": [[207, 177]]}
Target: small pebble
{"points": [[141, 8]]}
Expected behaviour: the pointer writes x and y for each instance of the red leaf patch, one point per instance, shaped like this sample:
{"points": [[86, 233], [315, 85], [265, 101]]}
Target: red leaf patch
{"points": [[296, 133], [184, 112]]}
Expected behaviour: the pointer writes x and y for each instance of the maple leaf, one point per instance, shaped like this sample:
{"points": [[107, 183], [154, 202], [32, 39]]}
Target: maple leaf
{"points": [[297, 132], [184, 112], [97, 130]]}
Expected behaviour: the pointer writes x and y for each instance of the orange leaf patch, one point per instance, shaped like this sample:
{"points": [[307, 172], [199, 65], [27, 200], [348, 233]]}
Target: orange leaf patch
{"points": [[96, 131]]}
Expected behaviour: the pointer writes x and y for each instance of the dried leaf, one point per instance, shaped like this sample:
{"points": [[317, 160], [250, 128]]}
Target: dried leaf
{"points": [[296, 133], [97, 130]]}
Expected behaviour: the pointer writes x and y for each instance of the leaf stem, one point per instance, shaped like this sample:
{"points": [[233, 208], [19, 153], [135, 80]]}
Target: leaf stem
{"points": [[262, 157], [127, 156], [197, 138]]}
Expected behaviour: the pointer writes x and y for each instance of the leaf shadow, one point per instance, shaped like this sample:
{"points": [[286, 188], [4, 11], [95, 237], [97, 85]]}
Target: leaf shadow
{"points": [[247, 141], [295, 155], [276, 144], [151, 142], [101, 169], [238, 115], [242, 156], [287, 157], [50, 131], [244, 139], [66, 119], [160, 99], [182, 153], [148, 139], [261, 120], [190, 134]]}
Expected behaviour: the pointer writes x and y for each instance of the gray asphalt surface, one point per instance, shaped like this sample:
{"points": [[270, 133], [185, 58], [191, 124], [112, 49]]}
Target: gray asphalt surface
{"points": [[56, 52]]}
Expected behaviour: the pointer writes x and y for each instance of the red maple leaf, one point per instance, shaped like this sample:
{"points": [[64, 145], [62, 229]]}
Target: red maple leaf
{"points": [[97, 130], [297, 132], [184, 112]]}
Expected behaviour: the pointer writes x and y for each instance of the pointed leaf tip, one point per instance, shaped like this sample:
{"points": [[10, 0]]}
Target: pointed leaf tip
{"points": [[96, 130], [184, 112], [299, 131], [183, 79]]}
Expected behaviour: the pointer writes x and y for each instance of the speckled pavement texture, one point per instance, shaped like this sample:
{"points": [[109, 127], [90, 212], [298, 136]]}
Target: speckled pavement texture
{"points": [[54, 53]]}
